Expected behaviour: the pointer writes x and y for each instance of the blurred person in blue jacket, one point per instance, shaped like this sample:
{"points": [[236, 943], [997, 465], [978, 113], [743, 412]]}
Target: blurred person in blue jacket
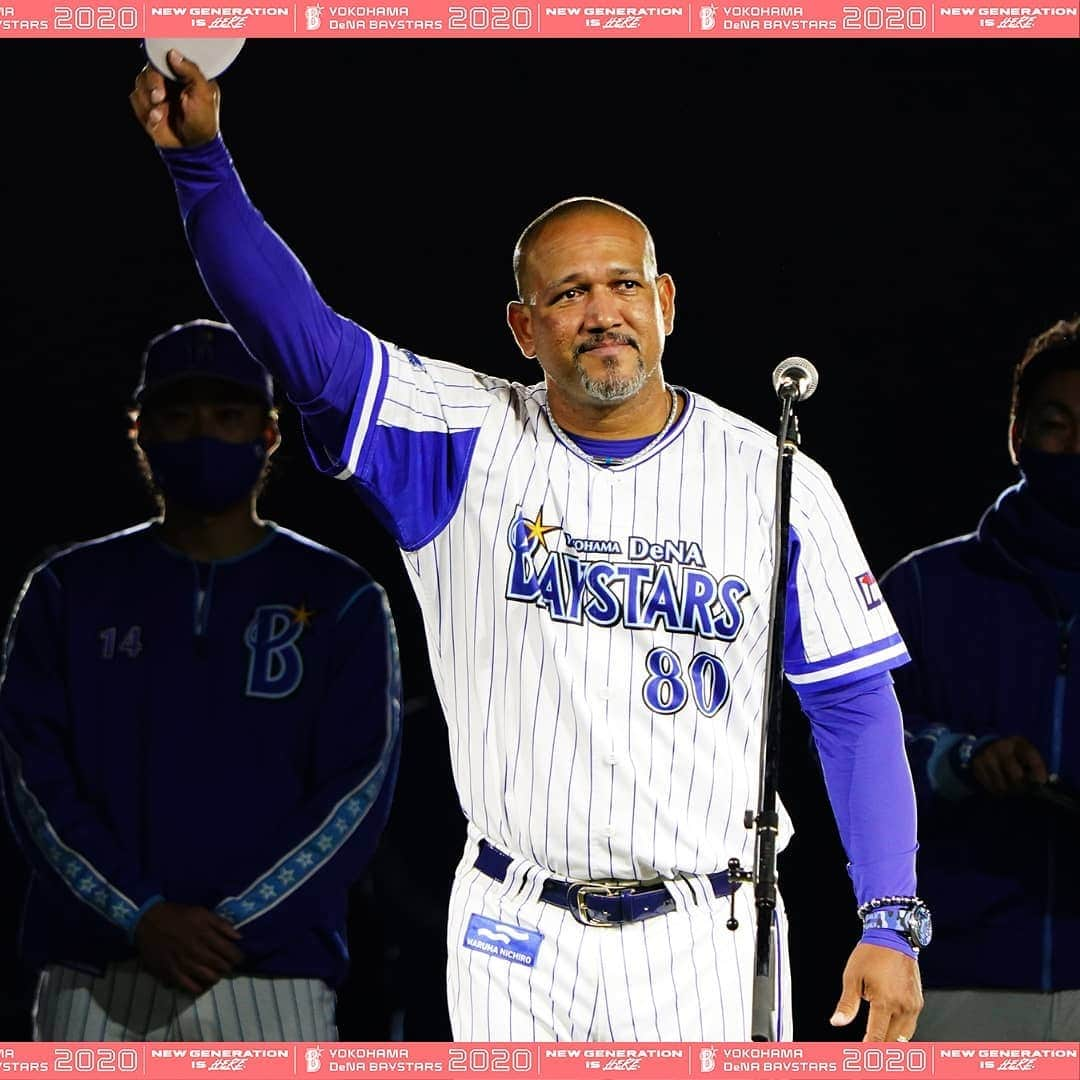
{"points": [[199, 719], [991, 704]]}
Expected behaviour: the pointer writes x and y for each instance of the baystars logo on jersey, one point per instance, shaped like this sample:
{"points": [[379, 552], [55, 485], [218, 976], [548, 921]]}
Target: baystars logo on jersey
{"points": [[275, 665], [657, 583]]}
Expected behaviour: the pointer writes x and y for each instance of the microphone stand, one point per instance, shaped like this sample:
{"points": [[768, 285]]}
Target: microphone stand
{"points": [[766, 820]]}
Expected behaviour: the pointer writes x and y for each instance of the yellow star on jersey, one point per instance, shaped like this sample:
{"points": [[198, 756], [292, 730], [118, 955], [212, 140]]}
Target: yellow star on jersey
{"points": [[537, 530], [302, 615]]}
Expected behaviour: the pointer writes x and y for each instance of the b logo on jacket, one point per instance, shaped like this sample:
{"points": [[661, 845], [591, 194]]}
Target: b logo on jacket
{"points": [[275, 665]]}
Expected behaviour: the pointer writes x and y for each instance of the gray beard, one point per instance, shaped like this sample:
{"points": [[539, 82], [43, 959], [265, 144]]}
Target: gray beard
{"points": [[611, 387]]}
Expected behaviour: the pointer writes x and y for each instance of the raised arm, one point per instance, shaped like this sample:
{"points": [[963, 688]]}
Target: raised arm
{"points": [[410, 459], [253, 277]]}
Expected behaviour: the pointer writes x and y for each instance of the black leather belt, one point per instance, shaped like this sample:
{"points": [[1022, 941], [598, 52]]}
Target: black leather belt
{"points": [[600, 903]]}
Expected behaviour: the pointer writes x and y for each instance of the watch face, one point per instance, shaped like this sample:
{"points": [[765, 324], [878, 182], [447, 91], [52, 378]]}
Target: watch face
{"points": [[919, 925]]}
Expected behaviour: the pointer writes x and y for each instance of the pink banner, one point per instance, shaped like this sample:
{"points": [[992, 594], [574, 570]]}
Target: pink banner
{"points": [[545, 1061], [512, 19]]}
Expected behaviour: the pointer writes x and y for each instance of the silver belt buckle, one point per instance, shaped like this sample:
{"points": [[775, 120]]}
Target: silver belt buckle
{"points": [[582, 913]]}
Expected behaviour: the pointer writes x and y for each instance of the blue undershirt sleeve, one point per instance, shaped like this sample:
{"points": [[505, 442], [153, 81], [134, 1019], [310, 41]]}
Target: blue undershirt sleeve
{"points": [[410, 471], [258, 284], [859, 733]]}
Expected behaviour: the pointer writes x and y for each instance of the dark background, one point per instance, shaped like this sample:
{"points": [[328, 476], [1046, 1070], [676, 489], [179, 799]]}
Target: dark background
{"points": [[903, 214]]}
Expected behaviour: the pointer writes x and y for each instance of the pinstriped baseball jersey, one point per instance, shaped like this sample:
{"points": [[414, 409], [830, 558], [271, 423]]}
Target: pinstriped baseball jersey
{"points": [[598, 635]]}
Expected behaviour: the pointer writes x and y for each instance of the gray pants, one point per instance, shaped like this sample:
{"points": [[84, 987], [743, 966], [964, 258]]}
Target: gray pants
{"points": [[128, 1004], [999, 1016]]}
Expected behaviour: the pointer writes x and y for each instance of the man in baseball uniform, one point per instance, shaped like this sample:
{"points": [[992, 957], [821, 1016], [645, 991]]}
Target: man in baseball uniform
{"points": [[592, 558], [200, 735]]}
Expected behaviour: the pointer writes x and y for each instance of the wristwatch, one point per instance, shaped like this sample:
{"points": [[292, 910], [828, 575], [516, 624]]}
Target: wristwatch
{"points": [[912, 921]]}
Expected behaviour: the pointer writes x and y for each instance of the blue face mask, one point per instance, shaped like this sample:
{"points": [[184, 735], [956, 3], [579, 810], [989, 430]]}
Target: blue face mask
{"points": [[1054, 480], [206, 474]]}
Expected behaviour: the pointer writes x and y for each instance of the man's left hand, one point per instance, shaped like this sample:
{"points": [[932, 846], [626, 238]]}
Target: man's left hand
{"points": [[890, 981]]}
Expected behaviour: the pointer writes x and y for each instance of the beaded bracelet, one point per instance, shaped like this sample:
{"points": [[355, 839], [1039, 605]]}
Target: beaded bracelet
{"points": [[887, 901]]}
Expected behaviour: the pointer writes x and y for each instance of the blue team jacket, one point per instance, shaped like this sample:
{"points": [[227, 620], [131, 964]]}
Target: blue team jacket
{"points": [[224, 734], [994, 652]]}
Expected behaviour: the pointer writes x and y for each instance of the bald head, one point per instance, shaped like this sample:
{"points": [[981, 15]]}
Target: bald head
{"points": [[579, 205]]}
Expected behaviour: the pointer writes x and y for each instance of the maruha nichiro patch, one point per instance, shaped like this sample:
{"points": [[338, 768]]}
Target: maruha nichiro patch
{"points": [[502, 940]]}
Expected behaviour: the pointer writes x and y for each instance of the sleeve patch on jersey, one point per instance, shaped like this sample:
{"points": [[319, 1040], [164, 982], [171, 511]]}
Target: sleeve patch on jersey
{"points": [[868, 586], [503, 941]]}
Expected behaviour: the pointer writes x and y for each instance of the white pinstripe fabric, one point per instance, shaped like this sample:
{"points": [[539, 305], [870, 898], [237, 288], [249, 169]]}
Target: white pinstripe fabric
{"points": [[677, 977], [555, 753], [128, 1004], [598, 638]]}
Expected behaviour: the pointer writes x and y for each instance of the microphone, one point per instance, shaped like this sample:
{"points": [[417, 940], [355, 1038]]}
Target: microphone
{"points": [[795, 377]]}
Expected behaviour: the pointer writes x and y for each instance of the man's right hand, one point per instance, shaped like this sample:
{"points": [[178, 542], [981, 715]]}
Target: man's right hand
{"points": [[1008, 766], [187, 947], [180, 112]]}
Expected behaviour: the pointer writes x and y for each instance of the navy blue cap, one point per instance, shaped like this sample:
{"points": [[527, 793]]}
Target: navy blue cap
{"points": [[205, 348]]}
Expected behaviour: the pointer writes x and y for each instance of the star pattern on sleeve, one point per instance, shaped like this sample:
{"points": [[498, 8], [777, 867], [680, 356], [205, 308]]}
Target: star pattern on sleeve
{"points": [[305, 860], [80, 876]]}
